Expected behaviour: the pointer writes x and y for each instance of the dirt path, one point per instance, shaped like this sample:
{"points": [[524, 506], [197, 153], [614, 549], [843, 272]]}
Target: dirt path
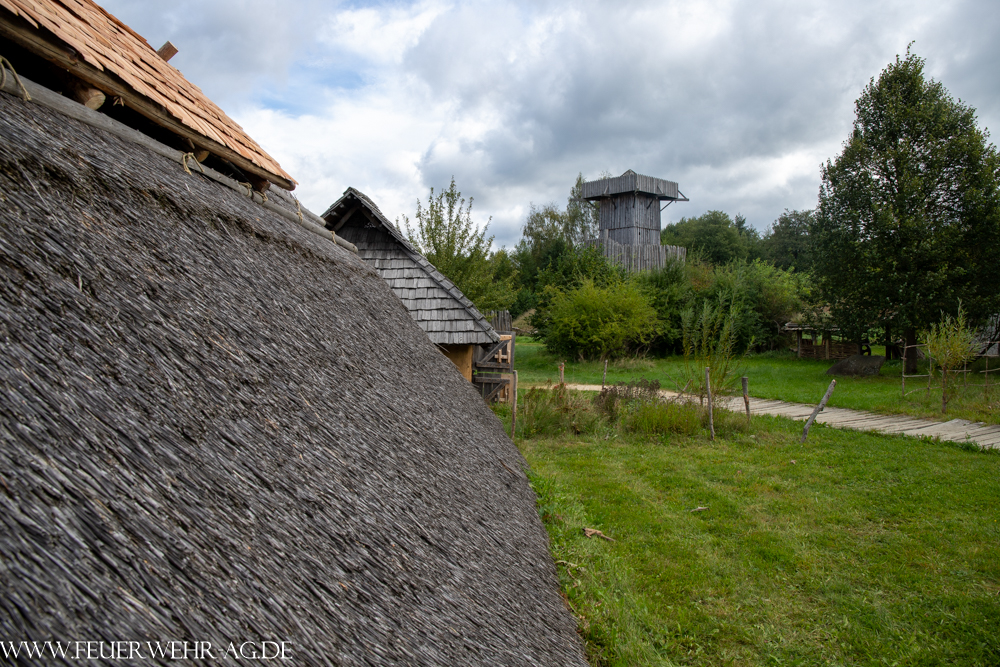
{"points": [[955, 430]]}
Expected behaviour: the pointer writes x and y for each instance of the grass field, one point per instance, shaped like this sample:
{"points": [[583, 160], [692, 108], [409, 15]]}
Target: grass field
{"points": [[779, 376], [852, 549]]}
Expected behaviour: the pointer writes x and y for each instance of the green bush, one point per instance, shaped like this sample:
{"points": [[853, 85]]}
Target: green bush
{"points": [[710, 342], [662, 418], [766, 298], [670, 292], [600, 322]]}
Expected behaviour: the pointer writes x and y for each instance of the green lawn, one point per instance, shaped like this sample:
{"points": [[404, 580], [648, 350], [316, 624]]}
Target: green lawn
{"points": [[778, 376], [852, 549]]}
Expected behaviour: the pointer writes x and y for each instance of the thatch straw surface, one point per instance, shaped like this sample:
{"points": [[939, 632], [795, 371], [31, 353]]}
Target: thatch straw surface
{"points": [[217, 426]]}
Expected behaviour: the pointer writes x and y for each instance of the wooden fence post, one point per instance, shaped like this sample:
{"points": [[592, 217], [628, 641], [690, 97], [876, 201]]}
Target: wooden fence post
{"points": [[513, 413], [819, 408], [708, 390], [562, 367], [604, 379], [746, 395]]}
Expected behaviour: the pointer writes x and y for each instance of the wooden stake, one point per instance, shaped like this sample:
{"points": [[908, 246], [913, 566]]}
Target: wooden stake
{"points": [[562, 367], [604, 379], [746, 395], [513, 413], [819, 408], [708, 391]]}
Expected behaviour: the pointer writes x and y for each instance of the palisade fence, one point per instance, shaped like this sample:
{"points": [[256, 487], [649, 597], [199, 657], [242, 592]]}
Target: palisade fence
{"points": [[500, 320], [990, 355], [636, 257]]}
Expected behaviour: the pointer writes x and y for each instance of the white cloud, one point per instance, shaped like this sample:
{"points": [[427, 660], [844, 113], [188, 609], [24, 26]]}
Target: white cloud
{"points": [[379, 34]]}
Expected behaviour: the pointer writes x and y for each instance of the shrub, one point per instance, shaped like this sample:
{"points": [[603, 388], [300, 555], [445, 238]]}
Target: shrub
{"points": [[767, 297], [669, 291], [600, 322], [950, 343]]}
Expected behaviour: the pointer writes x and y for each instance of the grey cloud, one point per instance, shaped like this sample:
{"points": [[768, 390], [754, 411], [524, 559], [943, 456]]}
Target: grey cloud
{"points": [[605, 87], [779, 79]]}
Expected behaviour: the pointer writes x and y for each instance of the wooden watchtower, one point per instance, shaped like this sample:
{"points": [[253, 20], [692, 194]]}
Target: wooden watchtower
{"points": [[630, 218]]}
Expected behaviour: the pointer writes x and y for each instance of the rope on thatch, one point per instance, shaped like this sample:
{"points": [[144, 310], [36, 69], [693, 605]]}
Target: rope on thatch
{"points": [[3, 78], [47, 98], [184, 163]]}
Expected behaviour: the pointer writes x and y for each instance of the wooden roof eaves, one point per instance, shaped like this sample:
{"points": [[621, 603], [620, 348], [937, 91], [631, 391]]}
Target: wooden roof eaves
{"points": [[414, 254], [20, 29]]}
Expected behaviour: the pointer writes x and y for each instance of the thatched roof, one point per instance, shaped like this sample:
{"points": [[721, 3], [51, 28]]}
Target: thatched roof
{"points": [[81, 37], [219, 426], [434, 302]]}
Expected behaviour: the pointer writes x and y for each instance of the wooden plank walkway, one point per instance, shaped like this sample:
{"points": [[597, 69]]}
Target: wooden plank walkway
{"points": [[954, 430]]}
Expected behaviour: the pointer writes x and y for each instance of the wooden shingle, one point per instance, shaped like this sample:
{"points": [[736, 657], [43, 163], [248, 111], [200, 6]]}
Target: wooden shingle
{"points": [[434, 302]]}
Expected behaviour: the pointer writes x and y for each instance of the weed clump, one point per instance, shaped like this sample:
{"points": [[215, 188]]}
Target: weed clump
{"points": [[635, 407], [614, 400], [554, 411], [664, 417]]}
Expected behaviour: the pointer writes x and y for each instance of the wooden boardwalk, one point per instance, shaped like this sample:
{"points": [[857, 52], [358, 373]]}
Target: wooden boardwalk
{"points": [[954, 430]]}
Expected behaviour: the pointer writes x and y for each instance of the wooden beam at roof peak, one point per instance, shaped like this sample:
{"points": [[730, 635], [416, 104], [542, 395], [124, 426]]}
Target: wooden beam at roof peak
{"points": [[343, 220], [88, 96]]}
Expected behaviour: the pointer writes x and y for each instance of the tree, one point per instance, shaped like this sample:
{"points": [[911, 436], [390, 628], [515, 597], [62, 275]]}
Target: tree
{"points": [[909, 214], [715, 235], [548, 234], [787, 244], [447, 236]]}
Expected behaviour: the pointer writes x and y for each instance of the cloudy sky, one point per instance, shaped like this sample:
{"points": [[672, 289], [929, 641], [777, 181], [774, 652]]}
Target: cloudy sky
{"points": [[737, 101]]}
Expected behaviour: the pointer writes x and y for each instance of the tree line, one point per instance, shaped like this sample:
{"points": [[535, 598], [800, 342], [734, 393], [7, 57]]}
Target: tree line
{"points": [[906, 231]]}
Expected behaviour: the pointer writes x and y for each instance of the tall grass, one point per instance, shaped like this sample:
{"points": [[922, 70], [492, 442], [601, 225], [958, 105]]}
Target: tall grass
{"points": [[710, 342], [555, 411]]}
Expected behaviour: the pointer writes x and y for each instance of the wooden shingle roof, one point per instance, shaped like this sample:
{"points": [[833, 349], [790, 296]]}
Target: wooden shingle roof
{"points": [[93, 45], [630, 181], [434, 302]]}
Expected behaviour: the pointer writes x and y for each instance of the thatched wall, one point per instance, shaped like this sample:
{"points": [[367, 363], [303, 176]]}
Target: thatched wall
{"points": [[216, 426]]}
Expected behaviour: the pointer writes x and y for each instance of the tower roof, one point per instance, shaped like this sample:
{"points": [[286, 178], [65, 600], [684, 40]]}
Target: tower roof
{"points": [[630, 182]]}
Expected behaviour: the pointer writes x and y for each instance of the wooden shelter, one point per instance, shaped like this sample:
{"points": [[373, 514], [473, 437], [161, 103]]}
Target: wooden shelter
{"points": [[450, 320], [820, 344], [629, 226]]}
